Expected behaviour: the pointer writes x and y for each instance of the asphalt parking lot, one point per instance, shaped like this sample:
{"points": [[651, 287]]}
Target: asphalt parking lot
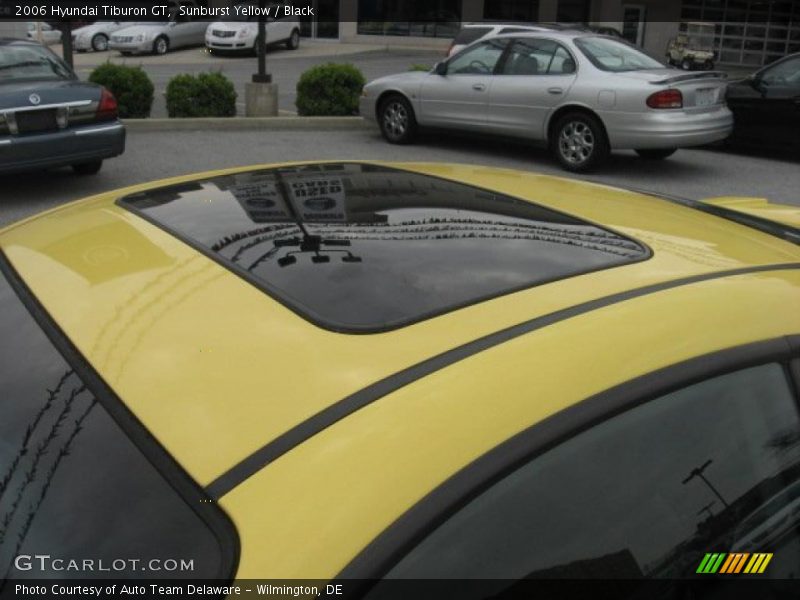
{"points": [[695, 174]]}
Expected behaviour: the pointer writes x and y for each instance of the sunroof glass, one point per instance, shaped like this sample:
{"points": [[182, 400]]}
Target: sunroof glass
{"points": [[366, 248]]}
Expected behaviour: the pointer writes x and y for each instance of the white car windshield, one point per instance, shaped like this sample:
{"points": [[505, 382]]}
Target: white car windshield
{"points": [[615, 56]]}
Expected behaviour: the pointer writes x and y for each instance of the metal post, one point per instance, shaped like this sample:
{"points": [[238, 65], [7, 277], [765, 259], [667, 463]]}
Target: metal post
{"points": [[261, 50], [66, 42]]}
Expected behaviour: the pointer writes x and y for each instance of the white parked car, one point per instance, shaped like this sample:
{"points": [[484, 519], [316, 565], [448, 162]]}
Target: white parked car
{"points": [[49, 34], [95, 36], [158, 37], [583, 94], [239, 32]]}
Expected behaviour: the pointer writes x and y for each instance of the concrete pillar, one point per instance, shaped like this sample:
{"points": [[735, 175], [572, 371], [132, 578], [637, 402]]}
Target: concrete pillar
{"points": [[261, 99]]}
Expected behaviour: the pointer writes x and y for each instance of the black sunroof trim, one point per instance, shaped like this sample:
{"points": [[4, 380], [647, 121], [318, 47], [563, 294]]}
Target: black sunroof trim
{"points": [[328, 325]]}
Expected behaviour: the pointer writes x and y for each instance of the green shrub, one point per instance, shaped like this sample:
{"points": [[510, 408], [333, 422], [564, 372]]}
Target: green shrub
{"points": [[131, 87], [331, 89], [206, 95], [419, 67]]}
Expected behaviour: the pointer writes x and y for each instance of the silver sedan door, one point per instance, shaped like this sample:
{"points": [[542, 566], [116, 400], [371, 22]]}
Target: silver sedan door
{"points": [[535, 77], [460, 97]]}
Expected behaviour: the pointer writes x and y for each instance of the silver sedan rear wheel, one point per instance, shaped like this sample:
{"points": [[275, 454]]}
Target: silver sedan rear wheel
{"points": [[397, 121], [579, 142]]}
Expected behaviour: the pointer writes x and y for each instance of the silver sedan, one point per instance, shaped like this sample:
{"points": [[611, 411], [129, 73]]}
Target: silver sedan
{"points": [[582, 94]]}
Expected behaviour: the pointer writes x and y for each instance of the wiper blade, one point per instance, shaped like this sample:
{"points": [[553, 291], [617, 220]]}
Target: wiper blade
{"points": [[27, 63]]}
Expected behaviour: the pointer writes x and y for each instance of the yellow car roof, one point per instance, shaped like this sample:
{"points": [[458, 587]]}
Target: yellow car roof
{"points": [[229, 379]]}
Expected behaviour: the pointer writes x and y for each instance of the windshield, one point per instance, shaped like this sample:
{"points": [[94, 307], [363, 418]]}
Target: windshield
{"points": [[24, 62], [615, 56], [700, 42]]}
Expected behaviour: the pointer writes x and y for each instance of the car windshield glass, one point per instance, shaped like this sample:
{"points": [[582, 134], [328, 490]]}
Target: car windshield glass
{"points": [[700, 43], [359, 247], [615, 56], [31, 62]]}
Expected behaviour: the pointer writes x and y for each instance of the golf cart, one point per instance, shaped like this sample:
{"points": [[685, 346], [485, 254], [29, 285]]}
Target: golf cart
{"points": [[694, 48]]}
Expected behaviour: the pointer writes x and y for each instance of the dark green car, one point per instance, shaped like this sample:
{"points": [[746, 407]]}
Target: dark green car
{"points": [[48, 118]]}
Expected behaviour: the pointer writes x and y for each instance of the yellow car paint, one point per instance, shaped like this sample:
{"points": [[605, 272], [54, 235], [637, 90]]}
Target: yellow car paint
{"points": [[215, 369], [328, 498], [759, 207]]}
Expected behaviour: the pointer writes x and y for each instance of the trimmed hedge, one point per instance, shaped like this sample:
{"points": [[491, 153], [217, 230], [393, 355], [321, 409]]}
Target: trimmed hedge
{"points": [[131, 87], [204, 95], [330, 89]]}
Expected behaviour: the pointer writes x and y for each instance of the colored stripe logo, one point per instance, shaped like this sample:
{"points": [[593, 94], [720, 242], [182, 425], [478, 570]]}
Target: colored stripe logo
{"points": [[734, 563]]}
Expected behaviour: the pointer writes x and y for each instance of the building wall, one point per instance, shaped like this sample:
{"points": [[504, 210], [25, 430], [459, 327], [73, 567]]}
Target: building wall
{"points": [[661, 16], [661, 24], [662, 21], [14, 29]]}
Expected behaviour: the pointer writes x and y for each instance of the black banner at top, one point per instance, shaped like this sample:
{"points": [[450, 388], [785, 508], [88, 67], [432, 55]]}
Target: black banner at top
{"points": [[778, 13], [143, 10]]}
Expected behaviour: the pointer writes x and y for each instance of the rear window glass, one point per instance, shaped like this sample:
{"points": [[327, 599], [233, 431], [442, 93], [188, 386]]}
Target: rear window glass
{"points": [[470, 34], [615, 56], [77, 497], [356, 247], [20, 62]]}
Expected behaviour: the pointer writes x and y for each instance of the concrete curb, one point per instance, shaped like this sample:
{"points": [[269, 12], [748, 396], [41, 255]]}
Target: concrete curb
{"points": [[248, 124]]}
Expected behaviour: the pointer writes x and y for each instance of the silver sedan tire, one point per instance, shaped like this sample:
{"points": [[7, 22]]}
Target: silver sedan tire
{"points": [[579, 142], [161, 45], [100, 42], [397, 121], [293, 43]]}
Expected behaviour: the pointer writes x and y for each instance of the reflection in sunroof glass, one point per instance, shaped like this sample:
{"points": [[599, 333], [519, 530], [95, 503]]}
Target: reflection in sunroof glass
{"points": [[368, 248]]}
